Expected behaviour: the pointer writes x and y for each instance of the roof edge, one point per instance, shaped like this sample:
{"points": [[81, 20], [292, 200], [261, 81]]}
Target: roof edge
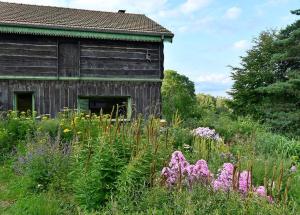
{"points": [[15, 29]]}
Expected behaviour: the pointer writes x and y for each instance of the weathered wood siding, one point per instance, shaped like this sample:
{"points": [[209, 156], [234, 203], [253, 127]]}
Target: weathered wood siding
{"points": [[52, 96], [37, 56], [62, 57], [123, 59], [21, 56]]}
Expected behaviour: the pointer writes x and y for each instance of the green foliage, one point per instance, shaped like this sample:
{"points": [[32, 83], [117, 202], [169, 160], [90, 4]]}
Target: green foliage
{"points": [[269, 143], [86, 164], [36, 205], [6, 144], [267, 84], [178, 95], [45, 163], [197, 201]]}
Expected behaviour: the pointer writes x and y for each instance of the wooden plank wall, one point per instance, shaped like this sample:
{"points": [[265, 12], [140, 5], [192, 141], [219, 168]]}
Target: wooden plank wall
{"points": [[52, 96], [22, 55], [122, 59], [45, 56], [28, 56]]}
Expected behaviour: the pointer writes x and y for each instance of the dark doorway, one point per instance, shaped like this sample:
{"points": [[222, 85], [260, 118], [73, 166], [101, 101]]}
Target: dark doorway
{"points": [[24, 102]]}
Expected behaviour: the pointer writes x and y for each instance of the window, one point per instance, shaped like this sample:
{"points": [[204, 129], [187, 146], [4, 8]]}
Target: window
{"points": [[24, 101], [106, 105]]}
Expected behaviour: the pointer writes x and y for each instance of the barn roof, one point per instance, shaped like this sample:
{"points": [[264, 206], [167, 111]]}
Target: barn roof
{"points": [[58, 21]]}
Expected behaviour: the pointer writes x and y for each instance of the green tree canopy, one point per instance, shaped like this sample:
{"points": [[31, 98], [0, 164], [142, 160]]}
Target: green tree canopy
{"points": [[178, 94], [267, 84]]}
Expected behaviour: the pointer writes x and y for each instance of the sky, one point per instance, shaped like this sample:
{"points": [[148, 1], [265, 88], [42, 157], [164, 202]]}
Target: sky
{"points": [[210, 35]]}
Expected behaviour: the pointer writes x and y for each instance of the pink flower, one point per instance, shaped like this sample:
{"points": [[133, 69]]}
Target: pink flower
{"points": [[244, 181], [261, 191], [224, 180], [293, 168]]}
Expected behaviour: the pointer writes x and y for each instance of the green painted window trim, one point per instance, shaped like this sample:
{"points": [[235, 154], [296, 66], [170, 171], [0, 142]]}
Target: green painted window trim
{"points": [[129, 108], [55, 78], [83, 34]]}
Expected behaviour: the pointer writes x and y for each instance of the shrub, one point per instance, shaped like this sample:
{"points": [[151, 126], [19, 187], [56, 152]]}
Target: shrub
{"points": [[6, 144], [46, 163], [49, 126], [20, 126], [270, 143], [37, 204]]}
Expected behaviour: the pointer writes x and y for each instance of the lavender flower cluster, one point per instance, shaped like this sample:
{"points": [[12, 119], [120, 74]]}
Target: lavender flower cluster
{"points": [[181, 172], [207, 133]]}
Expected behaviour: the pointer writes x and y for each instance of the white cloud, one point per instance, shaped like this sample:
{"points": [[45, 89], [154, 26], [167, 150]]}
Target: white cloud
{"points": [[242, 45], [186, 8], [193, 5], [39, 2], [233, 13], [134, 6], [214, 78]]}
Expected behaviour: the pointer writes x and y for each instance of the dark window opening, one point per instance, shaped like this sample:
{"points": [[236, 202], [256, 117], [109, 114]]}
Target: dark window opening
{"points": [[24, 102], [106, 105]]}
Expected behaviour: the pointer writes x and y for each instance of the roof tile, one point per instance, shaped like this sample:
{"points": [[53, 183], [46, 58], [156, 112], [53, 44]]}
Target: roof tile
{"points": [[77, 19]]}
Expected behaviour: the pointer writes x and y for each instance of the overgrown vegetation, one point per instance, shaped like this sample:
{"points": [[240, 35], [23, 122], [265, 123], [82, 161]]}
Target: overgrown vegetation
{"points": [[87, 164]]}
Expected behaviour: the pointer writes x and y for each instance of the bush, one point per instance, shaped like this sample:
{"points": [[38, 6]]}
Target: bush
{"points": [[36, 205], [198, 201], [270, 143], [49, 127], [20, 126], [46, 163], [6, 144]]}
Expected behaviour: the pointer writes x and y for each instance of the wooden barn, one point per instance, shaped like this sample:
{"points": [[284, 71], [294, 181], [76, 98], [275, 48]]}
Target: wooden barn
{"points": [[52, 58]]}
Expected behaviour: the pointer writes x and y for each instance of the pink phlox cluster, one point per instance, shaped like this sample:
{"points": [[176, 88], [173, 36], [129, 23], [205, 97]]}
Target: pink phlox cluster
{"points": [[293, 168], [261, 191], [244, 182], [207, 133], [180, 171], [178, 166], [199, 172], [188, 173], [224, 180]]}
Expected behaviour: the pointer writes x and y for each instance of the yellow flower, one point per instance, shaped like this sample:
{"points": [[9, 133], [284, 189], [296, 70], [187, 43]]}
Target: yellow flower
{"points": [[67, 130]]}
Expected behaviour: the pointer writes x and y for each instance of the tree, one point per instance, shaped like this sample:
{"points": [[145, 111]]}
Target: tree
{"points": [[267, 84], [178, 95], [282, 107], [256, 71]]}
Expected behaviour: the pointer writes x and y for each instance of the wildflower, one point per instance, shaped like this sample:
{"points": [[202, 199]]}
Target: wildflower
{"points": [[293, 168], [163, 122], [207, 133], [67, 130], [44, 118], [224, 180], [261, 191], [244, 181]]}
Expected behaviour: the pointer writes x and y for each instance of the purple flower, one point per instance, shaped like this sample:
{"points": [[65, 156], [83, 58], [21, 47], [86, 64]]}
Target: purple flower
{"points": [[293, 168], [224, 180], [244, 181], [261, 191], [207, 133]]}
